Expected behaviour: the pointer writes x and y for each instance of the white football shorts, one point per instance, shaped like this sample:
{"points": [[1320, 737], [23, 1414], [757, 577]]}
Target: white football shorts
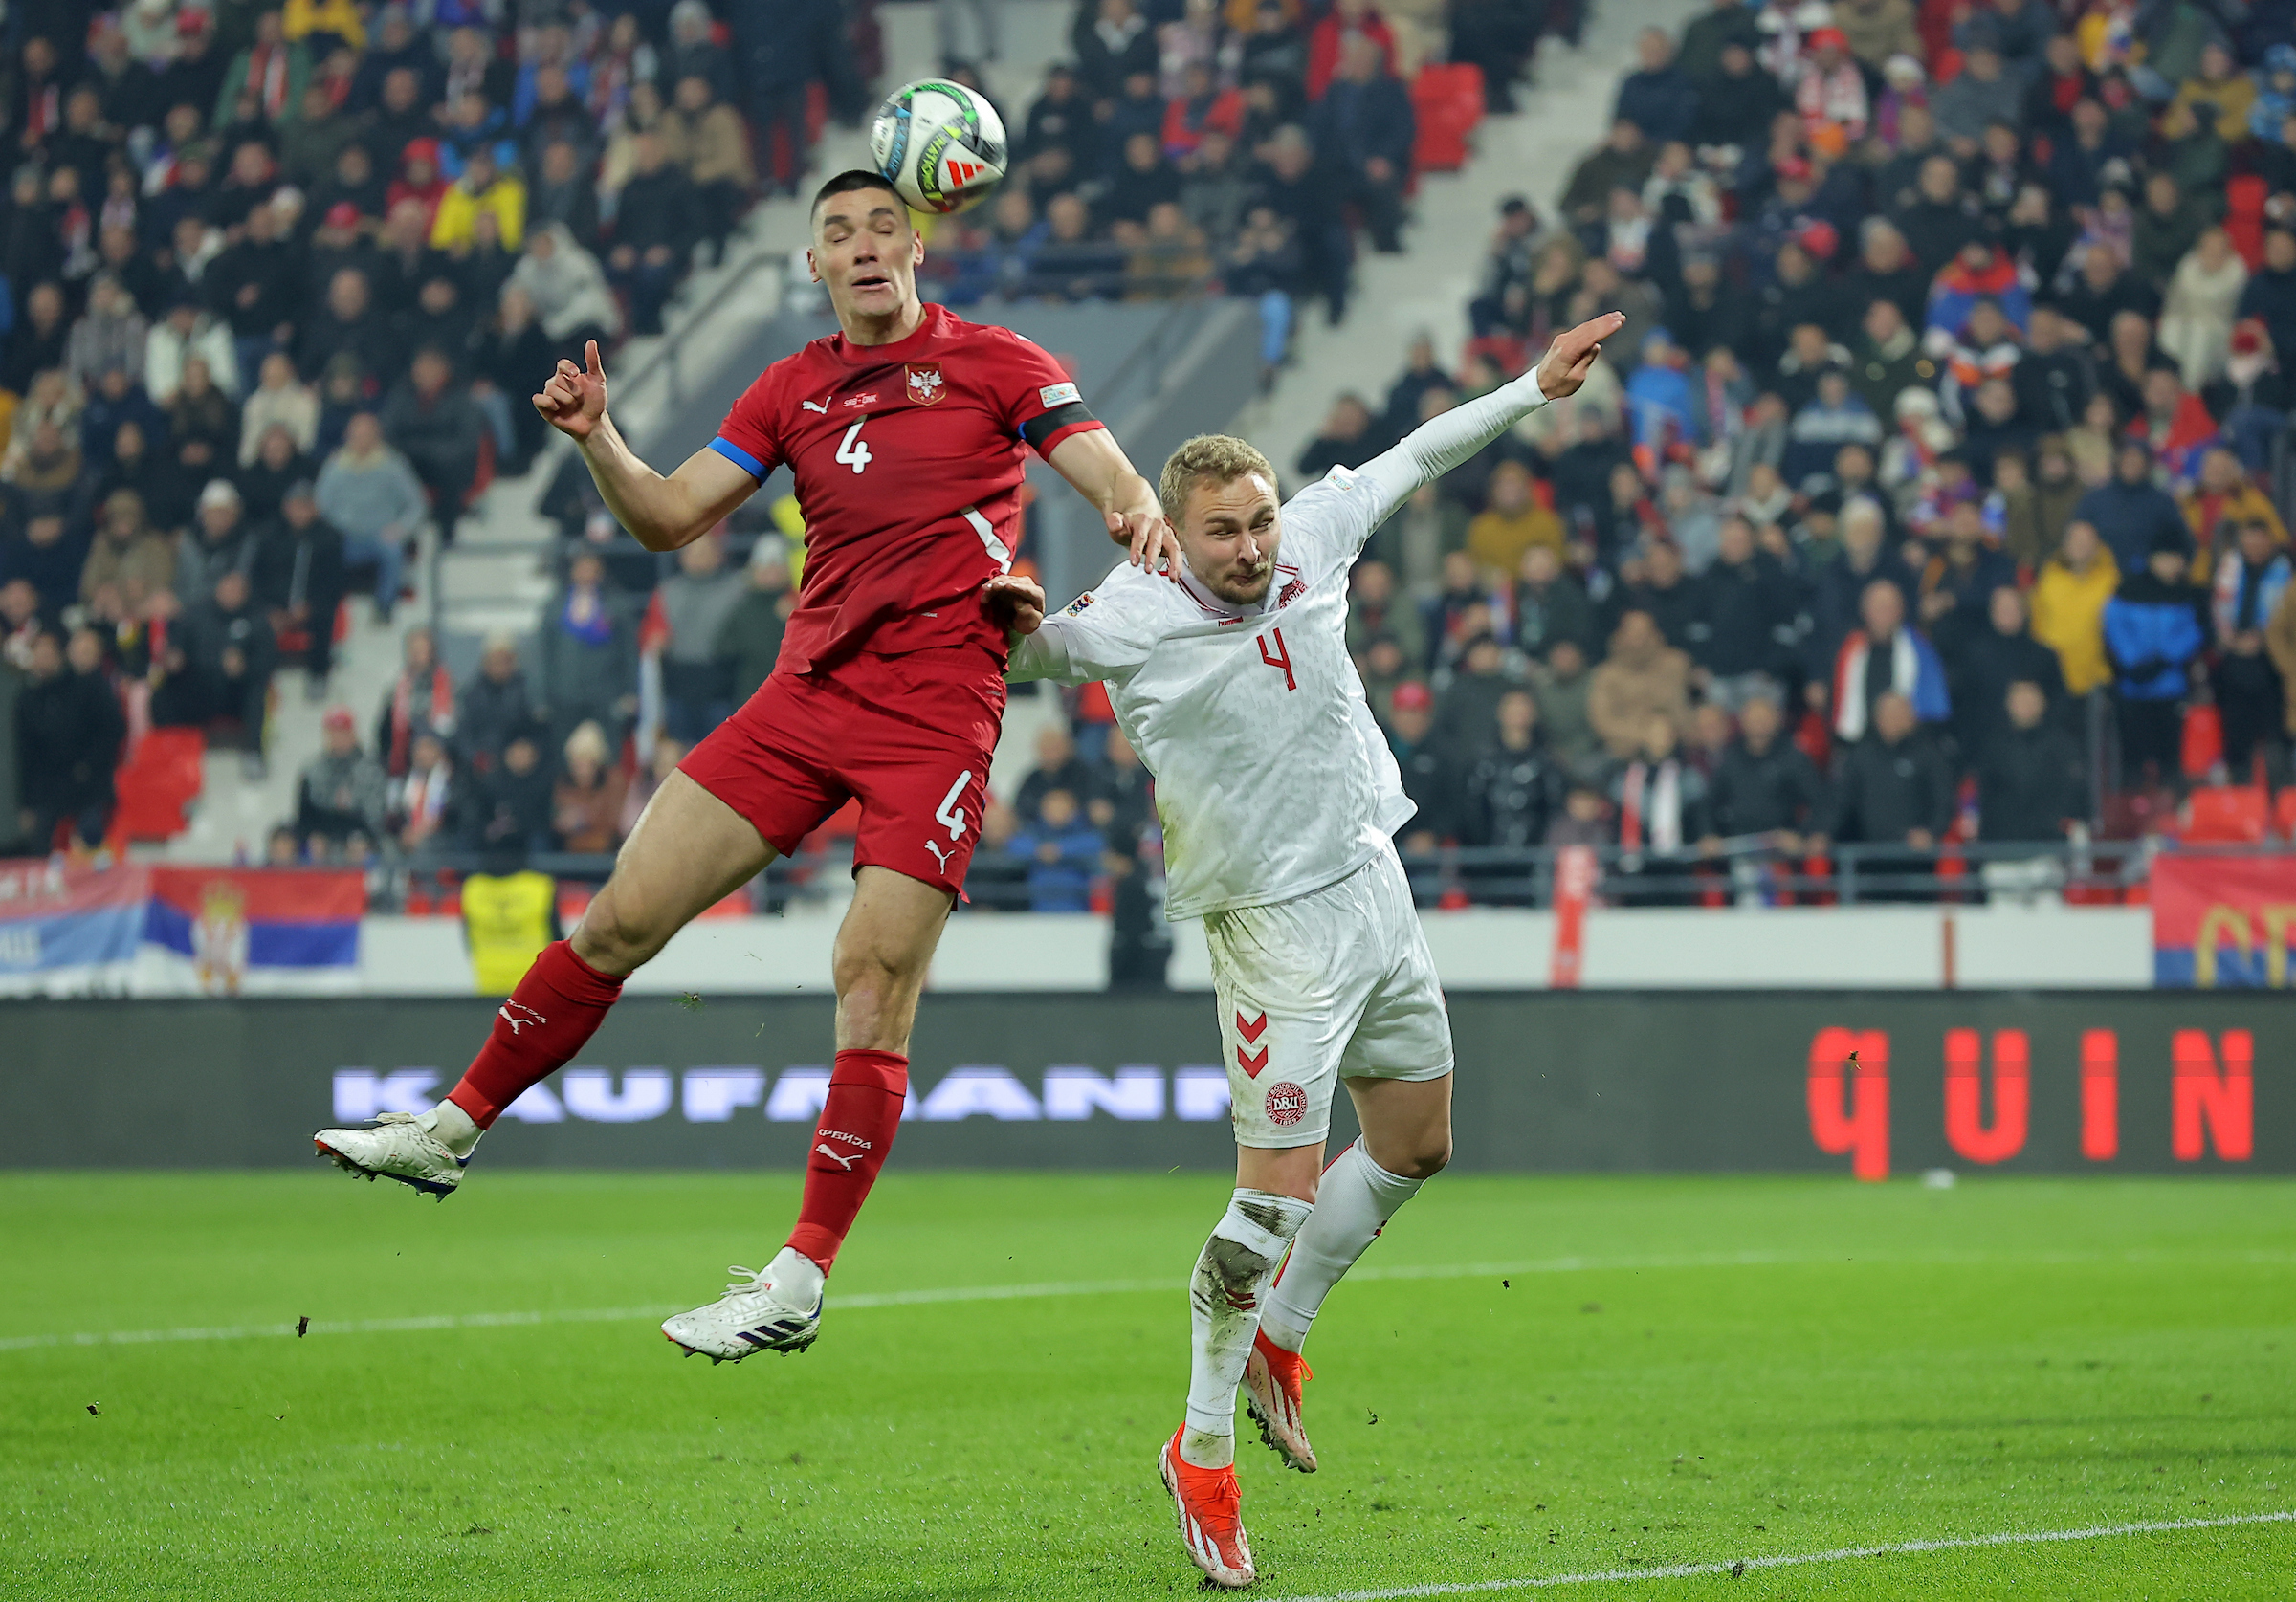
{"points": [[1333, 984]]}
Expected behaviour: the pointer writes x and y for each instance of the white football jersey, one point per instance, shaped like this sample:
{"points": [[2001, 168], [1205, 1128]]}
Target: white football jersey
{"points": [[1272, 779]]}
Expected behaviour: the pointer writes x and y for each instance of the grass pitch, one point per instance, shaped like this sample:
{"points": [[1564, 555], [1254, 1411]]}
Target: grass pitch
{"points": [[1536, 1378]]}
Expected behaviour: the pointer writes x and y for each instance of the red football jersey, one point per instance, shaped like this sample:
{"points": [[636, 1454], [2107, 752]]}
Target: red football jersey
{"points": [[908, 460]]}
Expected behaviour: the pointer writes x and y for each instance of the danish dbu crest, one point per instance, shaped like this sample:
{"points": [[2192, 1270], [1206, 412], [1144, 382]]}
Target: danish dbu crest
{"points": [[926, 386]]}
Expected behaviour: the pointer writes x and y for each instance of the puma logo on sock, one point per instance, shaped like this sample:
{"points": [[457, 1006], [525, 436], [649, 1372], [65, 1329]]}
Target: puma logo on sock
{"points": [[511, 1016], [846, 1163]]}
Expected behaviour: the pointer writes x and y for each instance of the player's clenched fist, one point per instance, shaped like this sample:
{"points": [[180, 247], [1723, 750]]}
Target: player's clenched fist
{"points": [[575, 400], [1571, 356], [1014, 603]]}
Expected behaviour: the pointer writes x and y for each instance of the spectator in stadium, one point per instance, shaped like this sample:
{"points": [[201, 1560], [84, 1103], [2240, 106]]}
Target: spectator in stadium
{"points": [[1563, 687], [422, 810], [69, 730], [2031, 782], [1063, 851], [487, 184], [110, 333], [346, 323], [1429, 777], [568, 289], [281, 400], [2220, 504], [492, 707], [263, 482], [341, 792], [1641, 678], [368, 491], [1467, 714], [433, 425], [1364, 126], [1513, 522], [1374, 609], [1659, 801], [1882, 656], [1550, 607], [1058, 767], [2250, 580], [1764, 788], [749, 641], [1893, 789], [1993, 658], [218, 665], [696, 603], [656, 227], [1514, 787], [586, 655], [1346, 439], [1746, 608], [1658, 97], [130, 563], [2153, 633], [716, 157], [585, 803], [421, 697], [220, 542], [44, 553], [2068, 607], [299, 579]]}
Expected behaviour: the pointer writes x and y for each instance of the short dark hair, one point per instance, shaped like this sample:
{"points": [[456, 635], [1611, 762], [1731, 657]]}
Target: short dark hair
{"points": [[848, 182]]}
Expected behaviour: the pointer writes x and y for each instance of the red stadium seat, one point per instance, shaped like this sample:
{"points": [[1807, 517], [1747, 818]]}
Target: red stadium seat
{"points": [[2284, 814], [2226, 815], [1447, 100], [157, 784]]}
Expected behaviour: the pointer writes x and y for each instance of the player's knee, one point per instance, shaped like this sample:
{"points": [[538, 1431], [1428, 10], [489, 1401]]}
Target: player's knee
{"points": [[1421, 1158], [614, 937]]}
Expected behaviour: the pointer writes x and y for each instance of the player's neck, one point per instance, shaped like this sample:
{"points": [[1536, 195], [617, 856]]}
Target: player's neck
{"points": [[887, 330]]}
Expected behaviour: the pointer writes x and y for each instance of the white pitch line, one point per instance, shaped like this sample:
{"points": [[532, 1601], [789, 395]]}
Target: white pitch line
{"points": [[1841, 1554], [1090, 1287]]}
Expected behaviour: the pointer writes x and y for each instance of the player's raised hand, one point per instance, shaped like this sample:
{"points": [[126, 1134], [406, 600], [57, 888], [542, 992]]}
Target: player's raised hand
{"points": [[1570, 356], [1014, 603], [574, 400]]}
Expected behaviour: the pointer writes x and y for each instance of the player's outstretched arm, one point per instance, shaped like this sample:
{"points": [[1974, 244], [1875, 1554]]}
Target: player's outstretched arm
{"points": [[661, 514], [1097, 466], [1443, 443]]}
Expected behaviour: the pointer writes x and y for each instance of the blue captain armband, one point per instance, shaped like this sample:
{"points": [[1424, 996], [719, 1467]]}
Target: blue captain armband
{"points": [[739, 457]]}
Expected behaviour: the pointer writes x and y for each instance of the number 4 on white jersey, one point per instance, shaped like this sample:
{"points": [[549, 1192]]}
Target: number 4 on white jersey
{"points": [[851, 451]]}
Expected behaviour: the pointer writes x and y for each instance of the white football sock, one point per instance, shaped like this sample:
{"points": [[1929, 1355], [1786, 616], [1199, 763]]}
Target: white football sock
{"points": [[796, 1277], [1352, 1205], [453, 1128], [1223, 1311]]}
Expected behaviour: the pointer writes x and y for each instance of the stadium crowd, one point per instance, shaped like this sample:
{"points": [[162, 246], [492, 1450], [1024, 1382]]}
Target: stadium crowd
{"points": [[275, 283], [1926, 494]]}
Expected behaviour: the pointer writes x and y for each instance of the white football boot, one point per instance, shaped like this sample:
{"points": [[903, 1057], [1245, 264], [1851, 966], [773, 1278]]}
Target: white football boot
{"points": [[754, 1315], [395, 1146]]}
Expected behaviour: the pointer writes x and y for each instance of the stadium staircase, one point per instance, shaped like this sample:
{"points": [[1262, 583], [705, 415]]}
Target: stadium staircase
{"points": [[499, 574], [1426, 288]]}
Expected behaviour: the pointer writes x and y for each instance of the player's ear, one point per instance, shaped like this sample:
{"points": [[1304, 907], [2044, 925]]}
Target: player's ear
{"points": [[916, 249], [813, 267]]}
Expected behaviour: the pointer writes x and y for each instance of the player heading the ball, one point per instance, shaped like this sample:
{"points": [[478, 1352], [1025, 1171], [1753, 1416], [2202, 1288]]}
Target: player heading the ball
{"points": [[906, 432]]}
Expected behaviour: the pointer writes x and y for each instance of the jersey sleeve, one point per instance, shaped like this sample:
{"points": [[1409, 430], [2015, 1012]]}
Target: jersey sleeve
{"points": [[1331, 518], [1102, 634], [1034, 398], [746, 437]]}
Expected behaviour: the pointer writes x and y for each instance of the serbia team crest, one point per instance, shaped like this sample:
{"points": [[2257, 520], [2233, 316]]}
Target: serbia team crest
{"points": [[925, 385]]}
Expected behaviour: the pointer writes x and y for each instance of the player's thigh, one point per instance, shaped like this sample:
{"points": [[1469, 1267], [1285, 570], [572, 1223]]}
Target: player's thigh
{"points": [[1286, 1003], [1398, 1059], [688, 851], [884, 948]]}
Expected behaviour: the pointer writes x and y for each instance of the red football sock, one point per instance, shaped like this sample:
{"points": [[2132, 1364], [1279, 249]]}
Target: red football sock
{"points": [[867, 1091], [556, 1007]]}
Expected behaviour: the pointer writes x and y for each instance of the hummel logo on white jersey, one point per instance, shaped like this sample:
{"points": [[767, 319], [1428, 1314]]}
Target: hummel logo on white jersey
{"points": [[821, 407], [514, 1021]]}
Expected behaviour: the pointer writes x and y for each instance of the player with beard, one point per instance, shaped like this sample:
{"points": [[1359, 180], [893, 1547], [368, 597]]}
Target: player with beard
{"points": [[904, 431], [1280, 801]]}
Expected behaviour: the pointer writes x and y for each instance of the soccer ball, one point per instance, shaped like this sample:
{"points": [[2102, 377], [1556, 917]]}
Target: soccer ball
{"points": [[940, 143]]}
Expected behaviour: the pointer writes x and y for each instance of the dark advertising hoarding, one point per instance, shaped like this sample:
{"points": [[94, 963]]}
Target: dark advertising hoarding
{"points": [[2129, 1082]]}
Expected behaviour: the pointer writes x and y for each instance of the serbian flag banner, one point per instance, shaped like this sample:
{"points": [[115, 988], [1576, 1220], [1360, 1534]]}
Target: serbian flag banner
{"points": [[259, 930], [68, 929], [2222, 922]]}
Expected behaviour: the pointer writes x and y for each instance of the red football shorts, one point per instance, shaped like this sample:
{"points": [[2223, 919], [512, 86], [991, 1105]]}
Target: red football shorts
{"points": [[909, 736]]}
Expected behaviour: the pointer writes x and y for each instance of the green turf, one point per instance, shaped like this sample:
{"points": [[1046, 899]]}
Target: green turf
{"points": [[1737, 1368]]}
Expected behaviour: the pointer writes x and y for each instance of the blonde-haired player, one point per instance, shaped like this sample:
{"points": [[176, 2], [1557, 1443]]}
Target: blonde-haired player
{"points": [[1279, 801]]}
